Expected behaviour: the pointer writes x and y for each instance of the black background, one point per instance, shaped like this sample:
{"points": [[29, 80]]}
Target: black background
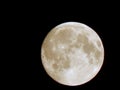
{"points": [[100, 16]]}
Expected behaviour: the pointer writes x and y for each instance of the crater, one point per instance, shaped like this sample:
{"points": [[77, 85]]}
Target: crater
{"points": [[97, 54], [55, 66], [98, 43]]}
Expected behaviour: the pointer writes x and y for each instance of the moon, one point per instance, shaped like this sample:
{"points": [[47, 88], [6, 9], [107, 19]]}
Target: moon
{"points": [[72, 53]]}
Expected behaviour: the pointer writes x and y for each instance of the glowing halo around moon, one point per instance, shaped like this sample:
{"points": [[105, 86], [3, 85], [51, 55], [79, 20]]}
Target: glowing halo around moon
{"points": [[72, 53]]}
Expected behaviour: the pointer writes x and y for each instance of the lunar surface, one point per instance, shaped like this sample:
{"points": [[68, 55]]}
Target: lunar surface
{"points": [[72, 53]]}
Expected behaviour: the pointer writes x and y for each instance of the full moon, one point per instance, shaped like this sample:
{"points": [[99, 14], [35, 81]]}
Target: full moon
{"points": [[72, 53]]}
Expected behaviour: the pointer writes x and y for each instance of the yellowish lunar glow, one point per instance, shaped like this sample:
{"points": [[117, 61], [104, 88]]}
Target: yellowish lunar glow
{"points": [[72, 53]]}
